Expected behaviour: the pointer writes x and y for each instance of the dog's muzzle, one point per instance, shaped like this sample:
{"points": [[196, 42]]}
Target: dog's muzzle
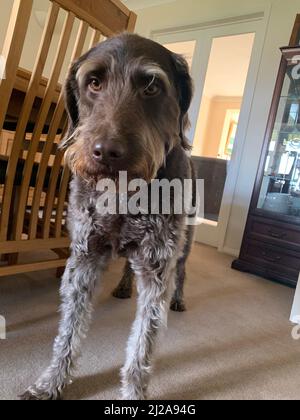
{"points": [[111, 153]]}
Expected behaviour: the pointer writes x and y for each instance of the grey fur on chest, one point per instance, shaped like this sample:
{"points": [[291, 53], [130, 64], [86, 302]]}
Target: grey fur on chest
{"points": [[117, 235]]}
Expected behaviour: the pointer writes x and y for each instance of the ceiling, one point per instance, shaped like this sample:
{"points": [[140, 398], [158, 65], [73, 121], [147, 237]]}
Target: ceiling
{"points": [[143, 4]]}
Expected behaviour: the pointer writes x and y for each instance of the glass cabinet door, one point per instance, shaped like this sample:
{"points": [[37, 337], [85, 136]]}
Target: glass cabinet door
{"points": [[280, 189], [298, 38], [297, 32]]}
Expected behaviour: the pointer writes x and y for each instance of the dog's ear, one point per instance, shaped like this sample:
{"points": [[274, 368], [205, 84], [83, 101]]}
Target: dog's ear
{"points": [[185, 90], [71, 92]]}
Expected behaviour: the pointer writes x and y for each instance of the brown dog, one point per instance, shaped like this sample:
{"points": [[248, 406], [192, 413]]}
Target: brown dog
{"points": [[127, 101]]}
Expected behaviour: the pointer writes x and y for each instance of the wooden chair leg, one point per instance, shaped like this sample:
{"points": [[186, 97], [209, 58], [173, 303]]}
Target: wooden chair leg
{"points": [[12, 259], [60, 272], [3, 257], [61, 253]]}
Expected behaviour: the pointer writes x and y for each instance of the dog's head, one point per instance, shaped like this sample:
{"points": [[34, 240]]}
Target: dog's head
{"points": [[127, 101]]}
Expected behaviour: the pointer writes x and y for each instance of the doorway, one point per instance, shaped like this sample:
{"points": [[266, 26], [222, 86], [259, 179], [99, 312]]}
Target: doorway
{"points": [[219, 114]]}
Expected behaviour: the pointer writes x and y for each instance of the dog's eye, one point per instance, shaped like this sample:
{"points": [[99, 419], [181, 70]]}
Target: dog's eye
{"points": [[153, 88], [95, 84]]}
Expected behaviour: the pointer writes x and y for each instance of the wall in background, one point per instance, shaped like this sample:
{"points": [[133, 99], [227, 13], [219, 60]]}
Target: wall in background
{"points": [[201, 128], [6, 6], [209, 144], [142, 4], [191, 12]]}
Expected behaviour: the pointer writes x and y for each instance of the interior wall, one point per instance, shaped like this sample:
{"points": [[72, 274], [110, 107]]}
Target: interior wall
{"points": [[208, 141], [6, 6], [191, 12], [201, 128]]}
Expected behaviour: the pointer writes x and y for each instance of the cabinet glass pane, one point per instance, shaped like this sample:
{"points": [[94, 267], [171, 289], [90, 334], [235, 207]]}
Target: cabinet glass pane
{"points": [[280, 190]]}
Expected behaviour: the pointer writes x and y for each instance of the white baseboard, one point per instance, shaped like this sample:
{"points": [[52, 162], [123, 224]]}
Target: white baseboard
{"points": [[230, 251]]}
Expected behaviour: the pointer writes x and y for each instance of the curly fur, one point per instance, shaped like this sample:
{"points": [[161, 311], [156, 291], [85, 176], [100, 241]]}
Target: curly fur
{"points": [[156, 246]]}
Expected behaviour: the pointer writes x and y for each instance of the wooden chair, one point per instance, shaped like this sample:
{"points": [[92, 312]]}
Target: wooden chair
{"points": [[32, 217]]}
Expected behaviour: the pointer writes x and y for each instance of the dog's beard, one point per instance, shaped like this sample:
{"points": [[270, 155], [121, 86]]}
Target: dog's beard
{"points": [[150, 156]]}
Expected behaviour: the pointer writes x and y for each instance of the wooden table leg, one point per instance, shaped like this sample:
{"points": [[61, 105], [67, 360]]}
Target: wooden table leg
{"points": [[61, 253]]}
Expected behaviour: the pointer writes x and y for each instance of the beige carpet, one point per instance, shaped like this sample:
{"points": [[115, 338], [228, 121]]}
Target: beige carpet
{"points": [[233, 343]]}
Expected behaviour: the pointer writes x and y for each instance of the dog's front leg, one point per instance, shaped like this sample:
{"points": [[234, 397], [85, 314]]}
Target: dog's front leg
{"points": [[77, 288], [155, 288]]}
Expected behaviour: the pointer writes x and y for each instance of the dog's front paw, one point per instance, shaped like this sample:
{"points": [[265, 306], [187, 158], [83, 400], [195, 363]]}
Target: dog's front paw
{"points": [[130, 393], [35, 394], [178, 305], [134, 385]]}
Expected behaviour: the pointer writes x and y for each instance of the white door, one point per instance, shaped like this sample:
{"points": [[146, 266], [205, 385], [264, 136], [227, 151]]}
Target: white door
{"points": [[224, 62]]}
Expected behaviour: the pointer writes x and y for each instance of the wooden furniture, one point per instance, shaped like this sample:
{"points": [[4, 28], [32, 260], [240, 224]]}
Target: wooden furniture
{"points": [[16, 101], [295, 38], [25, 224], [271, 244], [6, 145]]}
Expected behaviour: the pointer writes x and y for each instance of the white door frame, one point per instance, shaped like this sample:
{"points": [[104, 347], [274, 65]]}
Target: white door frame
{"points": [[211, 233]]}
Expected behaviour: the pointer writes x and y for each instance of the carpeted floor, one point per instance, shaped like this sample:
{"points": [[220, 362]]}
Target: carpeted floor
{"points": [[233, 343]]}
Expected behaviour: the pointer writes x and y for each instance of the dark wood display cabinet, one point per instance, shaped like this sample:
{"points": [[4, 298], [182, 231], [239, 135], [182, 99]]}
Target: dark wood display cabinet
{"points": [[271, 244]]}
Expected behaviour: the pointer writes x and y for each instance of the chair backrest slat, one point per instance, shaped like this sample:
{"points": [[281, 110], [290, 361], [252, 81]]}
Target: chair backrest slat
{"points": [[54, 126], [109, 17], [41, 120], [52, 188], [12, 51], [131, 22], [96, 37], [43, 166], [31, 94], [61, 203]]}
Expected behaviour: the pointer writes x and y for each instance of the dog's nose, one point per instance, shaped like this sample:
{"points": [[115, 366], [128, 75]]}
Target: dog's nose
{"points": [[109, 152], [98, 152]]}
